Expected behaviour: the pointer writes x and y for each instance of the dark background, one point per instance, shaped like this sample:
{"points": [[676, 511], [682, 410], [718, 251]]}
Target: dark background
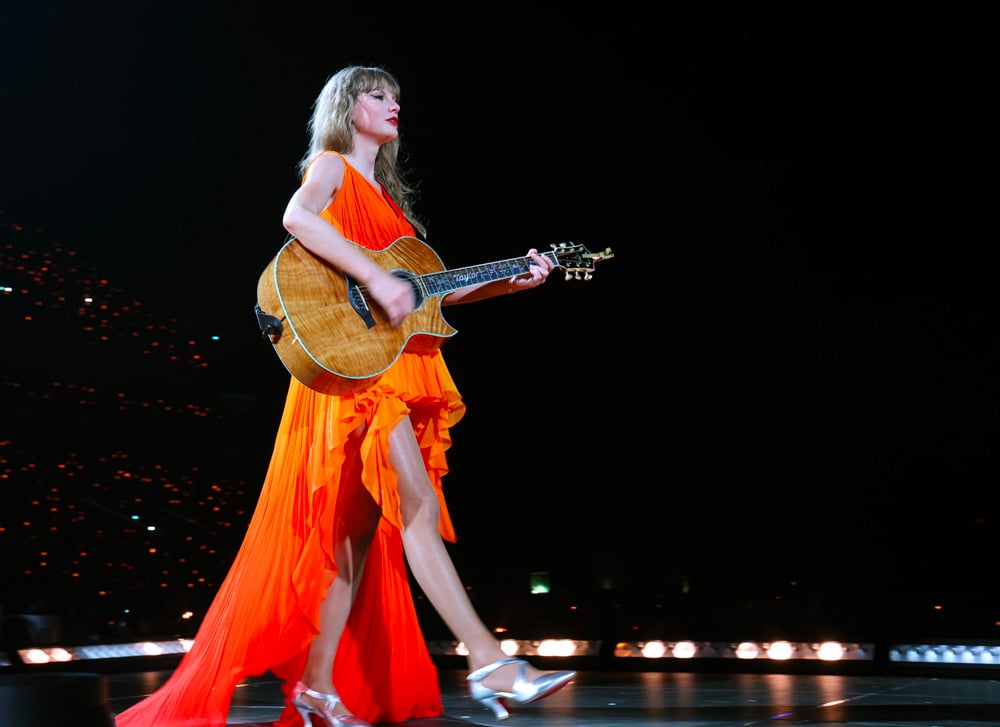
{"points": [[787, 373]]}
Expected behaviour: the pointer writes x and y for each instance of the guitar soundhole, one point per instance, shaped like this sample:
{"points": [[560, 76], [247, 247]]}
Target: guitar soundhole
{"points": [[359, 301], [418, 298]]}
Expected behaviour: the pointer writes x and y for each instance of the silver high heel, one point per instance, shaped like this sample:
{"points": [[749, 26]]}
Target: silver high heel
{"points": [[325, 711], [522, 692]]}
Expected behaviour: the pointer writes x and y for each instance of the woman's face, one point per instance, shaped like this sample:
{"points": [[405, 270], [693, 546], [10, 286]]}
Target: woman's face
{"points": [[376, 115]]}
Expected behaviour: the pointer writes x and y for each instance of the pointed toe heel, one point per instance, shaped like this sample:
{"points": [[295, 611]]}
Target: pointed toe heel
{"points": [[323, 708], [523, 691]]}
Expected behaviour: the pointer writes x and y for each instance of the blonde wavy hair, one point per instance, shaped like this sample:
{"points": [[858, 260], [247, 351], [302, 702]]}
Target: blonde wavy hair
{"points": [[330, 130]]}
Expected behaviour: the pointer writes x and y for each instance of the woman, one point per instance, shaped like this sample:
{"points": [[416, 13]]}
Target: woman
{"points": [[354, 483]]}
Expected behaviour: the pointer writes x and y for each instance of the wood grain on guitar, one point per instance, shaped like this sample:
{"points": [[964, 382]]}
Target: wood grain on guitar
{"points": [[334, 339]]}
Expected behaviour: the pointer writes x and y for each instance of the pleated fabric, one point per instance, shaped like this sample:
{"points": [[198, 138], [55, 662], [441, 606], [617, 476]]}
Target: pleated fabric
{"points": [[266, 611]]}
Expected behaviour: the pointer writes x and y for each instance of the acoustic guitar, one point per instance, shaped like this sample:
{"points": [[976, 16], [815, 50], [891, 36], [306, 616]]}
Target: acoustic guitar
{"points": [[331, 335]]}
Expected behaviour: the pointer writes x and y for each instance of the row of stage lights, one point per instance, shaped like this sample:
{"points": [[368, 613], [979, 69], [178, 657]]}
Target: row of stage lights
{"points": [[967, 655]]}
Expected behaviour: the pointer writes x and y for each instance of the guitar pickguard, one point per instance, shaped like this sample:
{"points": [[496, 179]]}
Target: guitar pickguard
{"points": [[357, 300]]}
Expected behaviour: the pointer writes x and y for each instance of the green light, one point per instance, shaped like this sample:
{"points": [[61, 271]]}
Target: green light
{"points": [[539, 581]]}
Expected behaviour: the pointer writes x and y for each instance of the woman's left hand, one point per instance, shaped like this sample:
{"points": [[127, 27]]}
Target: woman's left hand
{"points": [[537, 273]]}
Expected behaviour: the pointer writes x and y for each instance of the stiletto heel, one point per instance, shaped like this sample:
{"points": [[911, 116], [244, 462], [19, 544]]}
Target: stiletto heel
{"points": [[324, 711], [522, 692]]}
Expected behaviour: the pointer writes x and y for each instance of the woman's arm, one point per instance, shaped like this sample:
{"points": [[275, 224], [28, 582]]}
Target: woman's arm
{"points": [[303, 221]]}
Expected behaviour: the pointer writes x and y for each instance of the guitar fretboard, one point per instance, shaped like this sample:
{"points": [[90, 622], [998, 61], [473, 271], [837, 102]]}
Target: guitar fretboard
{"points": [[447, 281]]}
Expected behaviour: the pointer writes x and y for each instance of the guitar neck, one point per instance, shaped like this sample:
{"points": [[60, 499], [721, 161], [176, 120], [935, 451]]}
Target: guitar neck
{"points": [[447, 281]]}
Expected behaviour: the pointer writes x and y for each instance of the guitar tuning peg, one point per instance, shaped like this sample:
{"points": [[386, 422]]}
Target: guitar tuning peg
{"points": [[587, 276], [569, 276]]}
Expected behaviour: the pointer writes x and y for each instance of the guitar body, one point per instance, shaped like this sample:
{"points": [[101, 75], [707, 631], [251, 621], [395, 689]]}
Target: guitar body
{"points": [[328, 334]]}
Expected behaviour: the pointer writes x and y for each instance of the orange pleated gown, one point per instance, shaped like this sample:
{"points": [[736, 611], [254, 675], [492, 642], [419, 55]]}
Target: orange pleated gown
{"points": [[266, 610]]}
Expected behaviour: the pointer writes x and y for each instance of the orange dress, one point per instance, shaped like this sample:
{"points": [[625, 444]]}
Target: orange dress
{"points": [[266, 610]]}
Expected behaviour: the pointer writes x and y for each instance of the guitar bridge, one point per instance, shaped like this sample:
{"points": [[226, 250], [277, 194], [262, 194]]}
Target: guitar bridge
{"points": [[358, 302]]}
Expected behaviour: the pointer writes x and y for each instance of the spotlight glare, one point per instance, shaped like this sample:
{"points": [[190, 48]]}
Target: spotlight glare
{"points": [[684, 650], [556, 647], [654, 649], [35, 656], [830, 651], [151, 649], [780, 651]]}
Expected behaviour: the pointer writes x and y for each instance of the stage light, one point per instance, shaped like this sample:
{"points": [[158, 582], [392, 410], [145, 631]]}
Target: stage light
{"points": [[947, 655], [684, 650], [830, 651], [653, 649], [780, 651], [556, 647]]}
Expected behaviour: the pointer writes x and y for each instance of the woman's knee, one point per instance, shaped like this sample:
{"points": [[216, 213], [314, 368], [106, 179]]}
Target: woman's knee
{"points": [[420, 508]]}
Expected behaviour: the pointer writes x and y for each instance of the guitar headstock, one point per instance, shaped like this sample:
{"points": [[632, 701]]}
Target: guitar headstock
{"points": [[578, 261]]}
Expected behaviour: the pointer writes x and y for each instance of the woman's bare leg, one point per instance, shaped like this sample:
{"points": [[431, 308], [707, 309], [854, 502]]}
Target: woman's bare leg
{"points": [[431, 563], [356, 518]]}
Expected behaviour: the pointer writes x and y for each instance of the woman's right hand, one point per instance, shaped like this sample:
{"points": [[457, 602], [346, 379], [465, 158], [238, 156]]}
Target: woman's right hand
{"points": [[394, 296]]}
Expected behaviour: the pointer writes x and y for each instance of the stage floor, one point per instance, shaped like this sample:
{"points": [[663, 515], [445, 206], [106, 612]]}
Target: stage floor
{"points": [[645, 699]]}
